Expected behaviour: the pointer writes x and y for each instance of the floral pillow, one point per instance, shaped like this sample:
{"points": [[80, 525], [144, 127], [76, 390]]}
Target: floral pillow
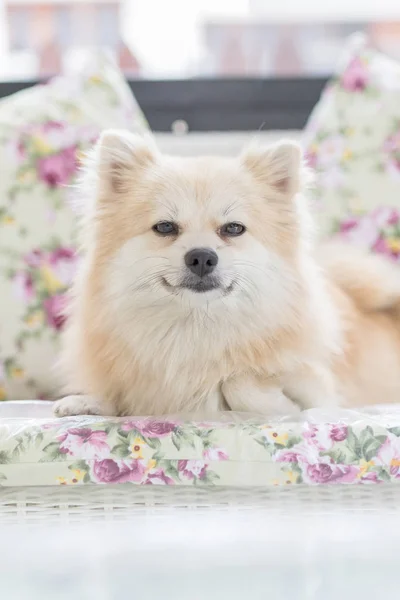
{"points": [[44, 131], [353, 144]]}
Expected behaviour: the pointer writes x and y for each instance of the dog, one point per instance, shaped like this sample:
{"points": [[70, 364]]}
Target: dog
{"points": [[201, 289]]}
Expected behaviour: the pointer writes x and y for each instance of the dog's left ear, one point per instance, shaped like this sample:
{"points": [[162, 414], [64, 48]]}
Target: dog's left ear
{"points": [[121, 155], [279, 166]]}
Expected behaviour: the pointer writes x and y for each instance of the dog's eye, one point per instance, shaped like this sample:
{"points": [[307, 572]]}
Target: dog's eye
{"points": [[166, 228], [232, 229]]}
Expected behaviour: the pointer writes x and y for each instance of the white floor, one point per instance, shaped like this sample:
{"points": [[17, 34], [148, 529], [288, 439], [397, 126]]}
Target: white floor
{"points": [[206, 556]]}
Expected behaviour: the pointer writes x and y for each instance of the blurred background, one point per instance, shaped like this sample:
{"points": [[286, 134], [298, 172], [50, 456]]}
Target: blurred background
{"points": [[178, 39]]}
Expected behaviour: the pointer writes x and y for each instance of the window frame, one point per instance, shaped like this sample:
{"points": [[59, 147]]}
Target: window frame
{"points": [[245, 104]]}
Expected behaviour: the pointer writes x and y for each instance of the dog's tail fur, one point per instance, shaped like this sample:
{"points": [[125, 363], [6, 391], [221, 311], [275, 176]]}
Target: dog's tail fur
{"points": [[372, 281]]}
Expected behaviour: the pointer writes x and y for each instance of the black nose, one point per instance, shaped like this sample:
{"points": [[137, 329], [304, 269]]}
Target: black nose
{"points": [[201, 261]]}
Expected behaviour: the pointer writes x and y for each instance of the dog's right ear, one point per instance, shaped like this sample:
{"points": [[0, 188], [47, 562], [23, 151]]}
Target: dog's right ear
{"points": [[120, 155], [279, 166]]}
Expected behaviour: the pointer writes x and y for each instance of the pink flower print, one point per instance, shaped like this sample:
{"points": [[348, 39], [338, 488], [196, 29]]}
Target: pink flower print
{"points": [[385, 216], [330, 151], [58, 135], [389, 247], [311, 158], [52, 125], [310, 431], [55, 309], [192, 469], [320, 473], [371, 477], [52, 134], [392, 149], [317, 437], [360, 231], [23, 287], [154, 428], [355, 77], [84, 443], [129, 425], [215, 454], [158, 477], [330, 473], [150, 427], [21, 150], [389, 456], [34, 258], [348, 224], [63, 262], [331, 177], [394, 218], [392, 143], [345, 474], [393, 167], [380, 246], [291, 456], [338, 433], [88, 133], [15, 151], [57, 169], [118, 471], [307, 452]]}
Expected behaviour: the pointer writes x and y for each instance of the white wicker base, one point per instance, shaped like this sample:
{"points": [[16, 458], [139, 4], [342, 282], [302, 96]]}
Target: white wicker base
{"points": [[118, 502], [109, 542]]}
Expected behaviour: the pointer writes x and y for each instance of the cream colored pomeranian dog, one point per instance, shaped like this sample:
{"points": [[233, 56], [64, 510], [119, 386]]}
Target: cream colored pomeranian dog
{"points": [[201, 290]]}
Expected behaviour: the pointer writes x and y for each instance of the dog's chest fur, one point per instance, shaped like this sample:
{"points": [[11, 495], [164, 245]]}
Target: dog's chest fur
{"points": [[176, 364]]}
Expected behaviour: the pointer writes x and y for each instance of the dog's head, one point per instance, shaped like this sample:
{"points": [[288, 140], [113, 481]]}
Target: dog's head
{"points": [[197, 231]]}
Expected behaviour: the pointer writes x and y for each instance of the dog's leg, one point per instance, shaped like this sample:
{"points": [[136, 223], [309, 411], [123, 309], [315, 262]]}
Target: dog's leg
{"points": [[245, 393], [77, 405], [312, 386]]}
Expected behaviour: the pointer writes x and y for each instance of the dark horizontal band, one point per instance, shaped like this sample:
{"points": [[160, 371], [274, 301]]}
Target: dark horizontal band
{"points": [[220, 104]]}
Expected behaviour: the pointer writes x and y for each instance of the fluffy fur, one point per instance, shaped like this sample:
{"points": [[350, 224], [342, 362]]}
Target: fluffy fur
{"points": [[286, 327]]}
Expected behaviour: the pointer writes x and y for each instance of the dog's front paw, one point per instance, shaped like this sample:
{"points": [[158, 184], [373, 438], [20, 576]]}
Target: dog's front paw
{"points": [[77, 405]]}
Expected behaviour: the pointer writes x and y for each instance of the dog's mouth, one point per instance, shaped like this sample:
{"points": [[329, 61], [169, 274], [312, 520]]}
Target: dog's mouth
{"points": [[199, 287]]}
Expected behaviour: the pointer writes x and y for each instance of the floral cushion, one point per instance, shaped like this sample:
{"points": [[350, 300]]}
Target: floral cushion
{"points": [[348, 448], [353, 143], [43, 133]]}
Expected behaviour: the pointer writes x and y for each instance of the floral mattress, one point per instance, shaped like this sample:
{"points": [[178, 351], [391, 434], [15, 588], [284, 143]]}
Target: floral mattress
{"points": [[234, 450]]}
